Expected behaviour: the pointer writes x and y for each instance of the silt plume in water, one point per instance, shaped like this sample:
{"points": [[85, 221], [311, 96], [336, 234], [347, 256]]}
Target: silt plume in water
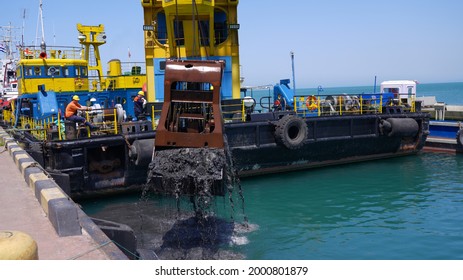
{"points": [[198, 174]]}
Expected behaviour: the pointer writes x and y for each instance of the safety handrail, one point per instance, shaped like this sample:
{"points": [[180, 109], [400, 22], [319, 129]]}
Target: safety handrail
{"points": [[346, 104]]}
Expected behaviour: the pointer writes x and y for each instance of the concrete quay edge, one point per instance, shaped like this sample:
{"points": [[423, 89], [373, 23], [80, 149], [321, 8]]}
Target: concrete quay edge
{"points": [[65, 216]]}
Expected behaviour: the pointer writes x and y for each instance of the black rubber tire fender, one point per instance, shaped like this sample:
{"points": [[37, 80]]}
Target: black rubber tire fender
{"points": [[141, 152], [403, 127], [291, 131]]}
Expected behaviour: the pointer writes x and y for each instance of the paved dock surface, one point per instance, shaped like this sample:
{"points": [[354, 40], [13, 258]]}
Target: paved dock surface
{"points": [[20, 211]]}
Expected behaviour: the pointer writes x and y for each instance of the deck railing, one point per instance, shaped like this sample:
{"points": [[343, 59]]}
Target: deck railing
{"points": [[8, 116], [55, 52], [345, 104], [53, 127], [107, 120], [320, 105], [37, 128], [237, 110]]}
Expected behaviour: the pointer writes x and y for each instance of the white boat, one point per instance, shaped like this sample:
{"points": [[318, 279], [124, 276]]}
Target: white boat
{"points": [[8, 62]]}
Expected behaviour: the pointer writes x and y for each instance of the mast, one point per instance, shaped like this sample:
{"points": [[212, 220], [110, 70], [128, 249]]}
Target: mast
{"points": [[23, 28], [6, 43], [294, 76], [91, 38], [43, 46]]}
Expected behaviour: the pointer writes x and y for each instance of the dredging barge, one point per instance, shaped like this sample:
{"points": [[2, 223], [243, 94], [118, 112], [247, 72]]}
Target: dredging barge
{"points": [[198, 103]]}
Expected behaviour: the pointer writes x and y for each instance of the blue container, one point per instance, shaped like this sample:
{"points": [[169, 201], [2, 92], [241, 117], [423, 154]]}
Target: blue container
{"points": [[47, 104], [375, 98]]}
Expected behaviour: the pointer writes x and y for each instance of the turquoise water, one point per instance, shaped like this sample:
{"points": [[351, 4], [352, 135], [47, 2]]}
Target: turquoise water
{"points": [[450, 93], [402, 208]]}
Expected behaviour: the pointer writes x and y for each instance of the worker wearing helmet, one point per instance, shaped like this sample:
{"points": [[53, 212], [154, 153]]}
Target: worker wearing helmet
{"points": [[139, 105], [71, 112]]}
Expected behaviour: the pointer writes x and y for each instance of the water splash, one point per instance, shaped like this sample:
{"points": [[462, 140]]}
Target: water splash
{"points": [[198, 174]]}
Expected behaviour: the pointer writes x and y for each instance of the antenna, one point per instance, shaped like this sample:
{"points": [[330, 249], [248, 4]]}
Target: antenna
{"points": [[40, 21], [54, 34], [23, 28], [294, 76], [7, 40]]}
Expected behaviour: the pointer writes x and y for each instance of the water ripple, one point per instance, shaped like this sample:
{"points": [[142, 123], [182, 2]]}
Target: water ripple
{"points": [[406, 208]]}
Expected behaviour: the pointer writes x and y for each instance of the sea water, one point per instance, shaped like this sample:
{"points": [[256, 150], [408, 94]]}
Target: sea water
{"points": [[402, 208]]}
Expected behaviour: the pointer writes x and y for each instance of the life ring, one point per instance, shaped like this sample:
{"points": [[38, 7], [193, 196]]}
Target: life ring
{"points": [[291, 131], [311, 103], [28, 52]]}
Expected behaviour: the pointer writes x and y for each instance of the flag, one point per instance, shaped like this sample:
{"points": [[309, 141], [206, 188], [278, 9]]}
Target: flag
{"points": [[2, 48], [129, 52]]}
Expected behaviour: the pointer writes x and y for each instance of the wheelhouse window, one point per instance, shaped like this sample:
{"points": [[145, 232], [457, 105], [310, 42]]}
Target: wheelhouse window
{"points": [[37, 71], [81, 72], [28, 71], [204, 32], [161, 28], [220, 26], [179, 33], [65, 71], [31, 71], [395, 91], [410, 90]]}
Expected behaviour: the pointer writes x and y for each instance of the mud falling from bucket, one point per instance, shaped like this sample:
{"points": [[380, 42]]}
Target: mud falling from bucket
{"points": [[193, 172], [197, 174]]}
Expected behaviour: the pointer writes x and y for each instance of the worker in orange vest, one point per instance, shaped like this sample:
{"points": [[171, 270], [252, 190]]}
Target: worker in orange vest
{"points": [[71, 112], [139, 105]]}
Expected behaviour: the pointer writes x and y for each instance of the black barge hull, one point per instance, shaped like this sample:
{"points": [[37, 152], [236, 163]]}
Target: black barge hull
{"points": [[329, 140], [97, 166], [109, 164]]}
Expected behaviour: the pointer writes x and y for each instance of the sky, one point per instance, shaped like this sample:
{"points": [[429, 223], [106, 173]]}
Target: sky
{"points": [[335, 42]]}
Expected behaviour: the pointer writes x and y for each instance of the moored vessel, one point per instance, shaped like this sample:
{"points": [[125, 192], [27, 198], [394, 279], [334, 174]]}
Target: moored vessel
{"points": [[278, 133], [445, 127], [195, 101], [49, 77], [8, 61]]}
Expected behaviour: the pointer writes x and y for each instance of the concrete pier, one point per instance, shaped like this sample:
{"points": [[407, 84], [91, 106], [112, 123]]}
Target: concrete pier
{"points": [[31, 202]]}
